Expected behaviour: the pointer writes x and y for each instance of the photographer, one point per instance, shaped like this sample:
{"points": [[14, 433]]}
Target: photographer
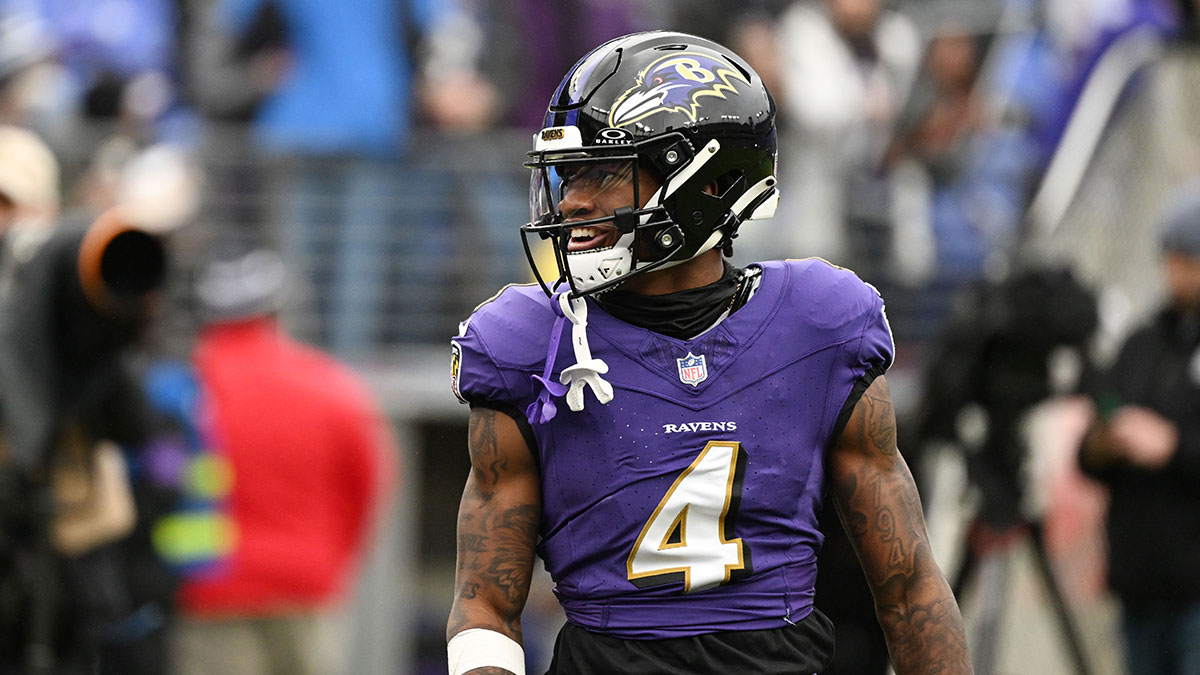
{"points": [[74, 298], [1145, 446]]}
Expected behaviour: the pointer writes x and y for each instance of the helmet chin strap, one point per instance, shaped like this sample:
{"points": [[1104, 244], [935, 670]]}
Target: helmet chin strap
{"points": [[761, 198], [709, 244], [673, 183]]}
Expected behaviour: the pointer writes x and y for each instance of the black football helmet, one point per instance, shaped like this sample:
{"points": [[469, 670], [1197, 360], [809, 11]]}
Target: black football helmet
{"points": [[682, 107]]}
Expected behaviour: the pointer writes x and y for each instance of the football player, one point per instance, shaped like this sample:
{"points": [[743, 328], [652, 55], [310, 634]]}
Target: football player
{"points": [[661, 427]]}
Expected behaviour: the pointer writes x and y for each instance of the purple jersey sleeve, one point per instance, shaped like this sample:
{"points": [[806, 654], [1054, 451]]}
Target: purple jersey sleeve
{"points": [[835, 300], [876, 347], [503, 340], [831, 305]]}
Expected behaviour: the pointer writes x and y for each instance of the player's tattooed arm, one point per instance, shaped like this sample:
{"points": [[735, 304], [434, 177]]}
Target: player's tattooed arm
{"points": [[877, 501], [497, 530]]}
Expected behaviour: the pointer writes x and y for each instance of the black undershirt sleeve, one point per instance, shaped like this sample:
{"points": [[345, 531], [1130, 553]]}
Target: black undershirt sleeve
{"points": [[860, 387], [518, 417]]}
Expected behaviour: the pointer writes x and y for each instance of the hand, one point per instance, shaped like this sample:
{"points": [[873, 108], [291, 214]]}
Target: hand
{"points": [[1143, 437], [269, 68], [460, 101]]}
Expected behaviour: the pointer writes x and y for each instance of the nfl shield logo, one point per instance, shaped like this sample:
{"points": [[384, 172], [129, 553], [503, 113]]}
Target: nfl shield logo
{"points": [[692, 369]]}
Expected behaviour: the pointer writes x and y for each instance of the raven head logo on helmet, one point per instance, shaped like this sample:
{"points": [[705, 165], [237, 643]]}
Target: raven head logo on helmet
{"points": [[679, 128], [675, 83]]}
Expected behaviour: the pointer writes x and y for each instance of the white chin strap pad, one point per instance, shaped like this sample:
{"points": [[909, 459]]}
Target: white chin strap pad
{"points": [[589, 269]]}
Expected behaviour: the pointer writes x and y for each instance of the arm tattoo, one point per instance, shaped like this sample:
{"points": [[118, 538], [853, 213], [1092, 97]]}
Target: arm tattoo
{"points": [[486, 461], [880, 422], [882, 513], [497, 533]]}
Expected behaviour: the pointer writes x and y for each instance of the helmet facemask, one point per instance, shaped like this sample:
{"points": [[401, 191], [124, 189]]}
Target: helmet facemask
{"points": [[637, 237]]}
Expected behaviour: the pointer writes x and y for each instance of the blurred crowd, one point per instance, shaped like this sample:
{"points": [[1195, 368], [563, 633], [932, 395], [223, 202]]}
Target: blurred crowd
{"points": [[371, 142], [185, 182]]}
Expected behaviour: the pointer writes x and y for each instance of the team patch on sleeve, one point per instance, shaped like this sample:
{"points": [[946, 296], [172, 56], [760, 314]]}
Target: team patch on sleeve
{"points": [[455, 369]]}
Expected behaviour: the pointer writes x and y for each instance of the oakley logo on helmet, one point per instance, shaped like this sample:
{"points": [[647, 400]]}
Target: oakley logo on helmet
{"points": [[613, 136], [675, 83]]}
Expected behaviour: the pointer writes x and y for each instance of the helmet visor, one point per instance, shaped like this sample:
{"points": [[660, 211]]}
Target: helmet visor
{"points": [[582, 189]]}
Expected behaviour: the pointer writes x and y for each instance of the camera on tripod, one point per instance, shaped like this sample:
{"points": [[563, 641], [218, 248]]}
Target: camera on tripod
{"points": [[70, 307], [1010, 347]]}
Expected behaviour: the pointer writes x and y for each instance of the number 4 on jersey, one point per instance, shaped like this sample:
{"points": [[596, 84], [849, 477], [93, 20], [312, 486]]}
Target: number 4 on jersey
{"points": [[689, 537]]}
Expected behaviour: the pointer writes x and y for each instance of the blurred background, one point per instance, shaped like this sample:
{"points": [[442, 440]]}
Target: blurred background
{"points": [[943, 149]]}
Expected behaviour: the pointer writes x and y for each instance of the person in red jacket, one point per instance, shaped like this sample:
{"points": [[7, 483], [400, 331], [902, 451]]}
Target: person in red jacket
{"points": [[303, 458]]}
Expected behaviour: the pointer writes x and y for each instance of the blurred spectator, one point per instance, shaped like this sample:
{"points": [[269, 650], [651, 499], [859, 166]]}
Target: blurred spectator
{"points": [[973, 168], [229, 73], [1145, 446], [334, 97], [846, 67], [106, 60], [26, 67], [301, 459], [494, 70], [1040, 71], [1081, 34], [528, 44]]}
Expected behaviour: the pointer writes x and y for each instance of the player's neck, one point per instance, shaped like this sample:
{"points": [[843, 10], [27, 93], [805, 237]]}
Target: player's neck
{"points": [[702, 270]]}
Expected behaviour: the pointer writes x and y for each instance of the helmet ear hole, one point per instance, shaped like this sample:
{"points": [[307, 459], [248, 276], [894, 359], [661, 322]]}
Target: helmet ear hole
{"points": [[733, 180]]}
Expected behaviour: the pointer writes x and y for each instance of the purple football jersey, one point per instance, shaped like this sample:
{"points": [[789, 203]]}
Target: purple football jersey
{"points": [[687, 504]]}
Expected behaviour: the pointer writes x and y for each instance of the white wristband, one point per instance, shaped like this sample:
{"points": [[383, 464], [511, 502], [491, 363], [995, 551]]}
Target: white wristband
{"points": [[478, 647]]}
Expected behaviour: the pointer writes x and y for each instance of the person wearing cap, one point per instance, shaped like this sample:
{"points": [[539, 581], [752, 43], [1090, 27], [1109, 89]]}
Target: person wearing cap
{"points": [[1145, 447], [307, 459]]}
